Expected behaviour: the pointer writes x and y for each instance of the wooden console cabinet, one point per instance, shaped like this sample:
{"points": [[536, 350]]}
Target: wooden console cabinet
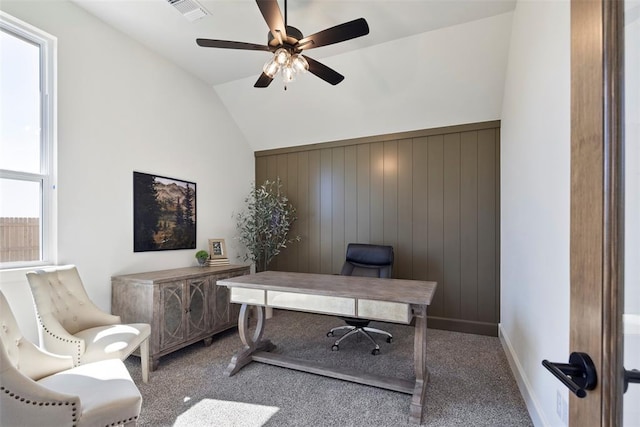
{"points": [[182, 305]]}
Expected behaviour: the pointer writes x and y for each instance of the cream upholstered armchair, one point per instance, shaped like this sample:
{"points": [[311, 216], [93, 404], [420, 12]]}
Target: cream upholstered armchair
{"points": [[40, 388], [69, 323]]}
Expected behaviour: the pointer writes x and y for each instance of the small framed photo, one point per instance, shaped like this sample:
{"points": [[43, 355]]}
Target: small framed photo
{"points": [[217, 249]]}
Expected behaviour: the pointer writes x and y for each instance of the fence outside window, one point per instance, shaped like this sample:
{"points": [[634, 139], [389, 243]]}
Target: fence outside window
{"points": [[19, 239]]}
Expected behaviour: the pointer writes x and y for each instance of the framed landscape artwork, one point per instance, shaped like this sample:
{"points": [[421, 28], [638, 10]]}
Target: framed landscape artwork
{"points": [[164, 213]]}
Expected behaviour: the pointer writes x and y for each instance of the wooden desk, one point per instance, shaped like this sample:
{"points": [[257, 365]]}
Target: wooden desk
{"points": [[389, 300]]}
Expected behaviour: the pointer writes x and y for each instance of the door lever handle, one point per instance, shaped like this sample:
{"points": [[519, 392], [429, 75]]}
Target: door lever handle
{"points": [[631, 376], [578, 375]]}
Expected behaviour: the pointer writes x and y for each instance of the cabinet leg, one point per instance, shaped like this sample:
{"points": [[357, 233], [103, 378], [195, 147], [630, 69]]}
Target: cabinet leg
{"points": [[155, 361], [207, 341]]}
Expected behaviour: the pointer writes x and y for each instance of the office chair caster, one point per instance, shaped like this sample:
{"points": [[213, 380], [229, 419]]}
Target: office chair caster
{"points": [[375, 351], [389, 340], [329, 334], [335, 348]]}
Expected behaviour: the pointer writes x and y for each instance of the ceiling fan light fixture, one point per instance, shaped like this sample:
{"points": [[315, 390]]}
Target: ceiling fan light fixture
{"points": [[288, 74], [299, 64], [281, 56], [271, 68]]}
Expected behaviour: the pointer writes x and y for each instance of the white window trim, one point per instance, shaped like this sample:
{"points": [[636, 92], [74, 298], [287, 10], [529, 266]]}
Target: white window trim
{"points": [[49, 119]]}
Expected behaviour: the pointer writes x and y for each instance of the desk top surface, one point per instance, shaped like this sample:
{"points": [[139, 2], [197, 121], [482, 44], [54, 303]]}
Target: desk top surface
{"points": [[394, 290]]}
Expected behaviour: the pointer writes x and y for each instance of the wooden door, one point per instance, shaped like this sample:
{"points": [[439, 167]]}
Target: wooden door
{"points": [[631, 318], [597, 205]]}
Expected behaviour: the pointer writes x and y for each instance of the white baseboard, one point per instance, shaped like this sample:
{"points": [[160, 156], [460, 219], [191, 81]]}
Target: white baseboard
{"points": [[533, 406]]}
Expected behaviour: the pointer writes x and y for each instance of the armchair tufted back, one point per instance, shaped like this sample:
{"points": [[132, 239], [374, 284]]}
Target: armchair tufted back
{"points": [[16, 352], [61, 294]]}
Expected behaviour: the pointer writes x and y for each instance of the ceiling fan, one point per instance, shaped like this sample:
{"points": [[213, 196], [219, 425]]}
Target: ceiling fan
{"points": [[287, 43]]}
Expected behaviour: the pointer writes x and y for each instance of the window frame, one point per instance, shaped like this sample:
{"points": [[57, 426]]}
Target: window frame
{"points": [[48, 139]]}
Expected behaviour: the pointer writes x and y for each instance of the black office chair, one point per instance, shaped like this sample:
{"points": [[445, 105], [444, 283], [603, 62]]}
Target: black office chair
{"points": [[370, 261]]}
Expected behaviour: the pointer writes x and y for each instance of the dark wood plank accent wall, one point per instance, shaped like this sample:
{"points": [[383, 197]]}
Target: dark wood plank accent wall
{"points": [[432, 194]]}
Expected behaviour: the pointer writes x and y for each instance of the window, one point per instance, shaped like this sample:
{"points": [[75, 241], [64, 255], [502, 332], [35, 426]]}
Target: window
{"points": [[27, 138]]}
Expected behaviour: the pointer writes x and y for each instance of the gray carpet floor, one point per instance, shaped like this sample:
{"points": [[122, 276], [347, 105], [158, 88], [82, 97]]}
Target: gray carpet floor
{"points": [[470, 381]]}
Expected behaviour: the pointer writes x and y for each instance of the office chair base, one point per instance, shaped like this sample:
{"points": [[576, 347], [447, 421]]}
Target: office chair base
{"points": [[366, 328], [375, 351], [352, 330]]}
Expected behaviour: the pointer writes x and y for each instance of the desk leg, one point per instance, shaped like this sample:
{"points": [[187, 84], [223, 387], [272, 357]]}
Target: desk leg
{"points": [[420, 360], [252, 344]]}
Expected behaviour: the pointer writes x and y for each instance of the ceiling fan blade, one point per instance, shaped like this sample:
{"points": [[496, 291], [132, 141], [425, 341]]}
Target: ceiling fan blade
{"points": [[263, 81], [225, 44], [325, 73], [339, 33], [273, 17]]}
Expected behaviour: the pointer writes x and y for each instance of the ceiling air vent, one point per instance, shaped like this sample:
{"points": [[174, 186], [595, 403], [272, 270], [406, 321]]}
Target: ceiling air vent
{"points": [[190, 9]]}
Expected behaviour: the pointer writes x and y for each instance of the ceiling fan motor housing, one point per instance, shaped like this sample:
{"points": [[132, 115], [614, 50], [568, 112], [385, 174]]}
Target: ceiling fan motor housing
{"points": [[293, 35]]}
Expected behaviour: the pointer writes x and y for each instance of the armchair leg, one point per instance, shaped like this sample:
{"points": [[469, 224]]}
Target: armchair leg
{"points": [[144, 360]]}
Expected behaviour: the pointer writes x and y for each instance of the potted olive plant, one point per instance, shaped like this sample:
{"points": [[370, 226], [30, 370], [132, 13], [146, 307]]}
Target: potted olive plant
{"points": [[264, 225]]}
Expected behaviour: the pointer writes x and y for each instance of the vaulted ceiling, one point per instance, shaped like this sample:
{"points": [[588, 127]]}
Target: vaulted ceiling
{"points": [[366, 62], [161, 27]]}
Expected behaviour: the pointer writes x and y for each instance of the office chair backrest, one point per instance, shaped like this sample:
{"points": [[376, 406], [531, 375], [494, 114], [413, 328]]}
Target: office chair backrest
{"points": [[368, 260]]}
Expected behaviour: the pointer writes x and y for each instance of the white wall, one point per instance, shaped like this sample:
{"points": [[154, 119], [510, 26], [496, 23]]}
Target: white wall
{"points": [[123, 108], [445, 77], [535, 200]]}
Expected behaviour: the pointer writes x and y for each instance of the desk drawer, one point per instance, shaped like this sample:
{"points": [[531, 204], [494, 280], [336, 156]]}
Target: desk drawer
{"points": [[313, 303], [247, 296], [384, 310]]}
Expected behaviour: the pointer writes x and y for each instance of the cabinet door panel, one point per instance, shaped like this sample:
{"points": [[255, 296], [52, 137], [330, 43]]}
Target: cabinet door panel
{"points": [[172, 314], [221, 311], [224, 314], [197, 312]]}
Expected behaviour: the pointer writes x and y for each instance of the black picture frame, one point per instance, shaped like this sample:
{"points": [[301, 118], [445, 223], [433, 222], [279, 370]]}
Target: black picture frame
{"points": [[164, 213]]}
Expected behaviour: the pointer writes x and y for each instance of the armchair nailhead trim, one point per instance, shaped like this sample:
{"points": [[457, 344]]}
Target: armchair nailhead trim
{"points": [[73, 408], [77, 342], [35, 403], [120, 422]]}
